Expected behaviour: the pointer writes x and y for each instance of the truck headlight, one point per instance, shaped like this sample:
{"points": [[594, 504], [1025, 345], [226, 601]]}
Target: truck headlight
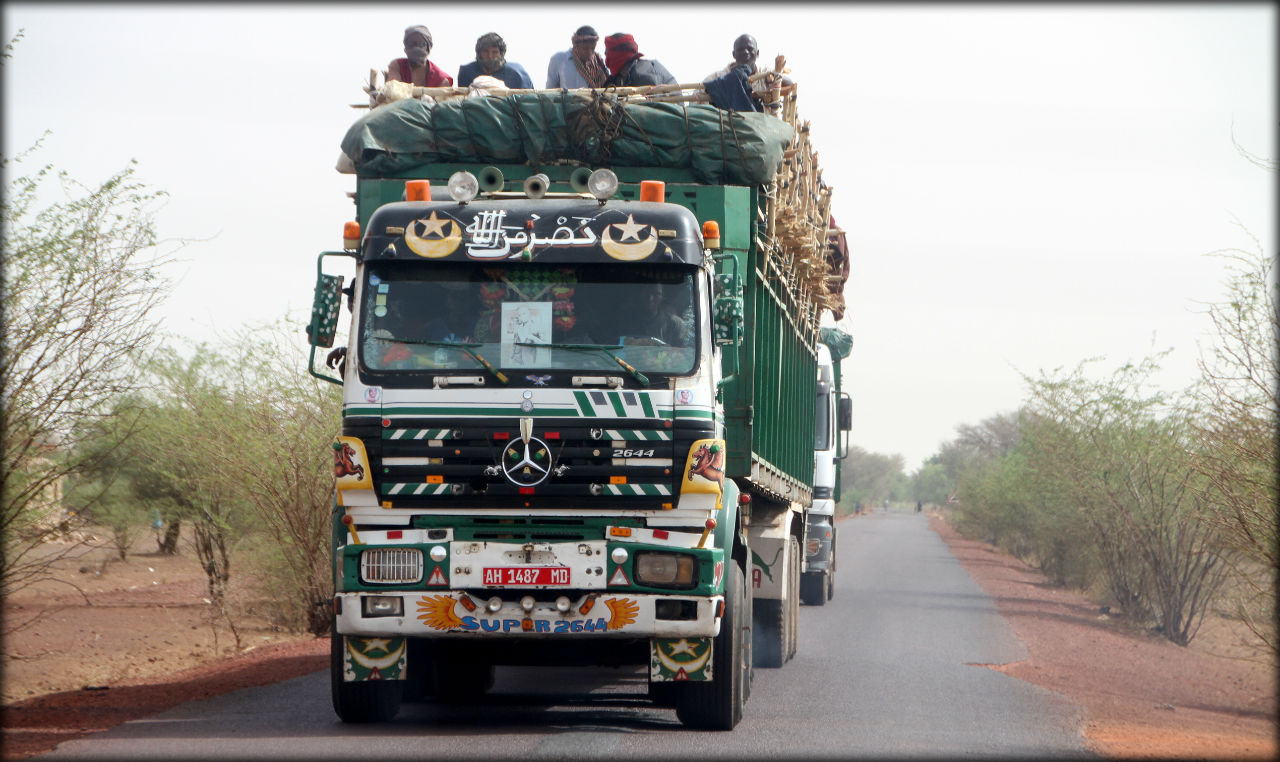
{"points": [[664, 569], [381, 605]]}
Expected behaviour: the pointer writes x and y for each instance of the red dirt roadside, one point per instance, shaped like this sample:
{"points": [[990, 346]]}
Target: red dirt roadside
{"points": [[1145, 697]]}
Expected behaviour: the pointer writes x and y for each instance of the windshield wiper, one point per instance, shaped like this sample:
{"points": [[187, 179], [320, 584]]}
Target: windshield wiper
{"points": [[452, 345], [606, 348]]}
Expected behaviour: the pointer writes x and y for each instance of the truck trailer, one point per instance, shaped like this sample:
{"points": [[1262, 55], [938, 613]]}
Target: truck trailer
{"points": [[578, 413]]}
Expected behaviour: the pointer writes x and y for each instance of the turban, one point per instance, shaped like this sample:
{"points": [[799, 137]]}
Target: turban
{"points": [[418, 29]]}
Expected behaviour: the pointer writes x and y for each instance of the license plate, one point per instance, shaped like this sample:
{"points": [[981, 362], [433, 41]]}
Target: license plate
{"points": [[506, 576]]}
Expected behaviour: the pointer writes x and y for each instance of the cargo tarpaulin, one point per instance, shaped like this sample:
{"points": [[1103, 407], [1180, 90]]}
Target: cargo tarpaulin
{"points": [[720, 147]]}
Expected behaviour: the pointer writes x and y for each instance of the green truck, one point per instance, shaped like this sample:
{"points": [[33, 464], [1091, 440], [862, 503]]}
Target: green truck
{"points": [[578, 386]]}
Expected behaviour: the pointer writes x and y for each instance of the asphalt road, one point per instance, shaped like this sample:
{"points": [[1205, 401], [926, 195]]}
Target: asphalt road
{"points": [[889, 668]]}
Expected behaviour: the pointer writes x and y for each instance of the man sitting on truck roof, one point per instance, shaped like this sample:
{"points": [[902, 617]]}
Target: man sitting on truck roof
{"points": [[491, 52], [579, 66], [628, 67], [414, 68], [745, 53]]}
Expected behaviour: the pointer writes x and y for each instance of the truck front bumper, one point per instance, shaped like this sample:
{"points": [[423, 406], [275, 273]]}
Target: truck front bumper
{"points": [[456, 613]]}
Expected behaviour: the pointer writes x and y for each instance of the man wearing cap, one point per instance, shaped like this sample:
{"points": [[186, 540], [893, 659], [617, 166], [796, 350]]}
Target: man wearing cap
{"points": [[415, 68], [628, 67], [580, 66], [491, 52]]}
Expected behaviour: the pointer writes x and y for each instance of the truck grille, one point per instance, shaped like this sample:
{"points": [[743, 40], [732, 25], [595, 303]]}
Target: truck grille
{"points": [[460, 463], [391, 565]]}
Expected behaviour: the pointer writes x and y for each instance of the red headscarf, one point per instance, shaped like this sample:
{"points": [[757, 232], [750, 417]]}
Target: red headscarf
{"points": [[619, 50]]}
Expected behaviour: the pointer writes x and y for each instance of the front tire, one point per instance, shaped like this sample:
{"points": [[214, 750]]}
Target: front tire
{"points": [[365, 701], [717, 705], [813, 588]]}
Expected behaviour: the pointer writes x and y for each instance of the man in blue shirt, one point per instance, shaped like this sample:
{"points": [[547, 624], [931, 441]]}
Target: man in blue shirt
{"points": [[491, 60], [579, 66]]}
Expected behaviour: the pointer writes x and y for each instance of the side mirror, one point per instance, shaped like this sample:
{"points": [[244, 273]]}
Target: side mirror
{"points": [[324, 310], [844, 416]]}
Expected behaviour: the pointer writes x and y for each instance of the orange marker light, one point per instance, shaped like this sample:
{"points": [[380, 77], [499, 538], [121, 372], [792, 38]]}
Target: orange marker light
{"points": [[617, 480], [711, 234], [351, 235], [417, 190], [653, 190], [620, 531]]}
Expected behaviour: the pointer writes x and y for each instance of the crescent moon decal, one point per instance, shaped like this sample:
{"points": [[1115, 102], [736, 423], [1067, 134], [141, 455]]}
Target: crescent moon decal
{"points": [[692, 665], [432, 248], [628, 252], [369, 662]]}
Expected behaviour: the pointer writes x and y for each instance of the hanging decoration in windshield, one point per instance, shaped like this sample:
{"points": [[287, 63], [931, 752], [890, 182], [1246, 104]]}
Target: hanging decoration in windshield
{"points": [[491, 231]]}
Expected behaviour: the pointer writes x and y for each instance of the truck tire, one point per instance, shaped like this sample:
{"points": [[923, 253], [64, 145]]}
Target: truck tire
{"points": [[717, 705], [813, 588], [366, 701]]}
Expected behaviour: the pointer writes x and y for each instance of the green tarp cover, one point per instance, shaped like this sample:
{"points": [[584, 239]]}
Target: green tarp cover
{"points": [[839, 342], [721, 147]]}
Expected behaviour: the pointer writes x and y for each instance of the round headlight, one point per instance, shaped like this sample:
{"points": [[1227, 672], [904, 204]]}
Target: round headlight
{"points": [[438, 553], [619, 555], [602, 184], [463, 186]]}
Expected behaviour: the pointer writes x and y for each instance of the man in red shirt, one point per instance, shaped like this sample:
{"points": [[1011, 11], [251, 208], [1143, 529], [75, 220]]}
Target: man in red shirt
{"points": [[415, 68]]}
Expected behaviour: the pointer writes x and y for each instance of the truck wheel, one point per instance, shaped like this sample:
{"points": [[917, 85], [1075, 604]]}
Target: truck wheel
{"points": [[717, 705], [365, 701], [813, 588]]}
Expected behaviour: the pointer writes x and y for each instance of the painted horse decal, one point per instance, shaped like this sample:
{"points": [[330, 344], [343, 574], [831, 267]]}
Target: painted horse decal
{"points": [[708, 462], [344, 462]]}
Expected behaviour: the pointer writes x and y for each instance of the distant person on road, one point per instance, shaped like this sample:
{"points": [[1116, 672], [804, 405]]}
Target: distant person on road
{"points": [[491, 60], [580, 65], [628, 67], [414, 68], [919, 506]]}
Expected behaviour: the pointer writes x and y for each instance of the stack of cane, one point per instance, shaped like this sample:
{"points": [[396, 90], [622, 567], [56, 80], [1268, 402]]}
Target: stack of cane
{"points": [[798, 221]]}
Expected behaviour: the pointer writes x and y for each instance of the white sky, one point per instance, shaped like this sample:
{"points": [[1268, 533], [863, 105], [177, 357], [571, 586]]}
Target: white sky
{"points": [[1023, 186]]}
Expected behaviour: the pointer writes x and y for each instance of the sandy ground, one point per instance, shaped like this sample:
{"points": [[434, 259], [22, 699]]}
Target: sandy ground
{"points": [[140, 638]]}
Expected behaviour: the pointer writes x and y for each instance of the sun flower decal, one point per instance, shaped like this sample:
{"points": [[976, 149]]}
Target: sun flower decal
{"points": [[436, 611], [622, 612]]}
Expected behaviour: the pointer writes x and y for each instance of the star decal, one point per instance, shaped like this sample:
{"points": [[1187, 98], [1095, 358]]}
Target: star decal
{"points": [[379, 644], [630, 229], [681, 646], [433, 224]]}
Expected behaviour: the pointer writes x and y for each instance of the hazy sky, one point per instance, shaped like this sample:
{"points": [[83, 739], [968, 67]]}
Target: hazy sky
{"points": [[1023, 186]]}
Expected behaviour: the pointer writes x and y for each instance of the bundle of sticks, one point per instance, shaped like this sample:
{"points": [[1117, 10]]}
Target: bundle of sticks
{"points": [[799, 239], [391, 90]]}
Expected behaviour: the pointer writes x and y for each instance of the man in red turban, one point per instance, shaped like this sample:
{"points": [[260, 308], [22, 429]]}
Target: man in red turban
{"points": [[628, 67]]}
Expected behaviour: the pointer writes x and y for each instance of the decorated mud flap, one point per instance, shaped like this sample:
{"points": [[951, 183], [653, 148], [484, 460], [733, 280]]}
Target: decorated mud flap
{"points": [[680, 659], [373, 659]]}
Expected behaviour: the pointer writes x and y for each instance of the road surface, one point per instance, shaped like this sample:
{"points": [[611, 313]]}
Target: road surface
{"points": [[893, 666]]}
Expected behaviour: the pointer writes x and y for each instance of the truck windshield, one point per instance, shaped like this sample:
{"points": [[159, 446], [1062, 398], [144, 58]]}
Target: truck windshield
{"points": [[523, 318]]}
